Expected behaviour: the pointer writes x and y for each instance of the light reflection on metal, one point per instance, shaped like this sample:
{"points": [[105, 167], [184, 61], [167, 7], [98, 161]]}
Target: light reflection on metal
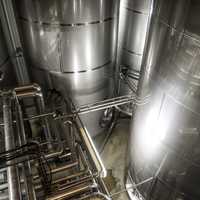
{"points": [[170, 117], [153, 132]]}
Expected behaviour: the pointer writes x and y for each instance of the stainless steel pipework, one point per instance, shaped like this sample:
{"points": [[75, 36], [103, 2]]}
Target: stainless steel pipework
{"points": [[12, 174], [26, 165], [74, 170], [34, 90], [84, 109]]}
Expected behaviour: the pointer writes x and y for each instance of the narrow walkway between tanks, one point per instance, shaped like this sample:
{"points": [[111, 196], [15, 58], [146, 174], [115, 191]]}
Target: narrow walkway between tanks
{"points": [[114, 158]]}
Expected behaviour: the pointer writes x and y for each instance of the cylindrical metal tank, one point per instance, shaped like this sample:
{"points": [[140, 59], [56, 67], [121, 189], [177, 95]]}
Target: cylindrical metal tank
{"points": [[164, 157], [70, 46], [7, 74], [133, 27]]}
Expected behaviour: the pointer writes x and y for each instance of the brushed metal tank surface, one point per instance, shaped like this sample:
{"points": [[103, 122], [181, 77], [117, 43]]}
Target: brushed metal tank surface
{"points": [[70, 45], [164, 143], [70, 49], [134, 15], [66, 12], [7, 74]]}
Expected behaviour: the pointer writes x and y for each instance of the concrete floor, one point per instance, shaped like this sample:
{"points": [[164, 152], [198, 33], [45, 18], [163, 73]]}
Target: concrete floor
{"points": [[114, 157]]}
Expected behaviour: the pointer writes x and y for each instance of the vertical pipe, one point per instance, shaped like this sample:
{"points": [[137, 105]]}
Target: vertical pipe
{"points": [[34, 90], [41, 106], [12, 175], [26, 165], [8, 19]]}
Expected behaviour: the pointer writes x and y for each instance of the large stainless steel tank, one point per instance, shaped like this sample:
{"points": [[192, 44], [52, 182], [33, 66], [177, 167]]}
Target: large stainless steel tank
{"points": [[70, 46], [133, 27], [164, 154], [7, 74]]}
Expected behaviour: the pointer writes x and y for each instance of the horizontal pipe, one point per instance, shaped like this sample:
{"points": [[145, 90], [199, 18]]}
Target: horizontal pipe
{"points": [[73, 183], [4, 186], [46, 156], [34, 86], [27, 91], [101, 105], [84, 109], [95, 195], [4, 196], [70, 193]]}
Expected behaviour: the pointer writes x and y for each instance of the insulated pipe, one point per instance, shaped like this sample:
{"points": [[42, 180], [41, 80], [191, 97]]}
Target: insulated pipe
{"points": [[12, 175]]}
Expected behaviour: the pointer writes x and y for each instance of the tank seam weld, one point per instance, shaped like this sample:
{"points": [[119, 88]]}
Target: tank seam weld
{"points": [[74, 72], [183, 32], [136, 11], [132, 52], [66, 25]]}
